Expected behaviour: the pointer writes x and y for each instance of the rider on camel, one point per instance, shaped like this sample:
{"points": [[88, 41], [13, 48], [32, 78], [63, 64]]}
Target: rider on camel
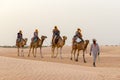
{"points": [[35, 37], [19, 36], [78, 35], [56, 34]]}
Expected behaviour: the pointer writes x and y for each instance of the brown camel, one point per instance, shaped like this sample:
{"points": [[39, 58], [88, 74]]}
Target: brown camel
{"points": [[79, 46], [21, 45], [60, 44], [35, 45]]}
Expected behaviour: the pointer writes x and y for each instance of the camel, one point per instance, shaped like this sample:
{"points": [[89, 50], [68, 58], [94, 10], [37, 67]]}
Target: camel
{"points": [[60, 44], [35, 45], [79, 46], [21, 45]]}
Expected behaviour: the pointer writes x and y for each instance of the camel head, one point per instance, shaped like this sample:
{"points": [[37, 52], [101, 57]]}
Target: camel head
{"points": [[64, 37], [43, 37], [87, 41], [25, 41]]}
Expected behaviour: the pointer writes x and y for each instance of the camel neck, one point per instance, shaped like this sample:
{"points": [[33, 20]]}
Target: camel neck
{"points": [[42, 42], [63, 41]]}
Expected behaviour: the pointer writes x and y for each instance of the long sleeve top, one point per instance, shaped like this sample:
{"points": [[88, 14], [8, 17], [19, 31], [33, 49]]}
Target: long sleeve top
{"points": [[78, 34], [56, 32], [19, 35], [35, 34], [95, 48]]}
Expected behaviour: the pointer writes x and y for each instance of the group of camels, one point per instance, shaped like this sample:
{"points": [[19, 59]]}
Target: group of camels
{"points": [[61, 42]]}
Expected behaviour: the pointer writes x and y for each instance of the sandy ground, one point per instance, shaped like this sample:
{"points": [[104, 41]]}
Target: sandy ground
{"points": [[13, 67]]}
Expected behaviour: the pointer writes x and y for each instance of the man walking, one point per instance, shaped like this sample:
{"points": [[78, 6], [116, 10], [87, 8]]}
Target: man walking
{"points": [[94, 49]]}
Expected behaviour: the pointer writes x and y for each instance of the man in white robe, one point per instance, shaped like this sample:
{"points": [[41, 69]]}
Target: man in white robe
{"points": [[95, 51]]}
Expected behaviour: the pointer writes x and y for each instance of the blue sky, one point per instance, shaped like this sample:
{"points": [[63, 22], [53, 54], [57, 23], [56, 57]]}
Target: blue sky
{"points": [[98, 19]]}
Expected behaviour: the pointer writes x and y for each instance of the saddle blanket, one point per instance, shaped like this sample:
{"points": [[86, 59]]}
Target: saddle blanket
{"points": [[78, 40]]}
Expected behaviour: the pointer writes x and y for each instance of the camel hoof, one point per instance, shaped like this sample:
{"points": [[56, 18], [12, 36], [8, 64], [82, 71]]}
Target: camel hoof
{"points": [[53, 57], [85, 61], [28, 55], [70, 58], [76, 60], [34, 56], [42, 57]]}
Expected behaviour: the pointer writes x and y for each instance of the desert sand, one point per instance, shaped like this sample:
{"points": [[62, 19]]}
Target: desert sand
{"points": [[13, 67]]}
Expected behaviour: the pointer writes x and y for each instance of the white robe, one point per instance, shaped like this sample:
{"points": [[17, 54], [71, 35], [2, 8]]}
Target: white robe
{"points": [[94, 50]]}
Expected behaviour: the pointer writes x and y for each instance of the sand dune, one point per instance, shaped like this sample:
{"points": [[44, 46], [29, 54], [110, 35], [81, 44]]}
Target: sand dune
{"points": [[30, 68], [19, 69]]}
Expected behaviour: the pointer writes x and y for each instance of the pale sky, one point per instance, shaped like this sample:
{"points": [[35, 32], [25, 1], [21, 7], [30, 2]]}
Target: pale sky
{"points": [[98, 19]]}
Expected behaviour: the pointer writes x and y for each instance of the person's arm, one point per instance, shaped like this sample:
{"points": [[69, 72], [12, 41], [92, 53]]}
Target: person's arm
{"points": [[21, 36], [17, 35], [98, 49], [80, 34], [58, 32], [34, 33], [53, 30], [76, 33]]}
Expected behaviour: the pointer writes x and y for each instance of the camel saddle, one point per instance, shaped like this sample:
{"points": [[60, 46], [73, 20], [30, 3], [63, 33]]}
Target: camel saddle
{"points": [[55, 41]]}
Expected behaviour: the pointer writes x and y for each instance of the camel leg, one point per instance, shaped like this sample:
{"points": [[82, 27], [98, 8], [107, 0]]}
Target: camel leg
{"points": [[77, 56], [52, 52], [74, 53], [35, 52], [84, 56], [71, 54], [29, 52], [57, 53], [18, 51], [61, 53], [22, 53], [41, 52]]}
